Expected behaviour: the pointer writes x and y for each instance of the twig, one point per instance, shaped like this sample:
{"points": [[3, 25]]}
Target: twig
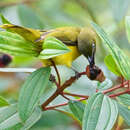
{"points": [[62, 94], [59, 80], [64, 104], [118, 94], [60, 90], [104, 92], [75, 95], [57, 72], [114, 88]]}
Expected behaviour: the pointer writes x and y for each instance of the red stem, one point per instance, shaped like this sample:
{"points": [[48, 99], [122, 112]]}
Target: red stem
{"points": [[62, 94], [118, 94], [114, 88], [75, 95], [81, 99], [63, 104], [57, 73]]}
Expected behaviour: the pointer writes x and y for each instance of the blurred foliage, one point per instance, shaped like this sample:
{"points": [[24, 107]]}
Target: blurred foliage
{"points": [[48, 14]]}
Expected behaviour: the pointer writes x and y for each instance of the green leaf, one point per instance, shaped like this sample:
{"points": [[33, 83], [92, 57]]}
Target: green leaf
{"points": [[29, 18], [122, 61], [104, 85], [36, 115], [7, 112], [9, 117], [3, 102], [31, 92], [100, 113], [125, 113], [125, 99], [127, 26], [27, 33], [53, 47], [77, 108], [16, 45], [119, 8], [13, 122], [14, 127], [4, 20], [110, 63]]}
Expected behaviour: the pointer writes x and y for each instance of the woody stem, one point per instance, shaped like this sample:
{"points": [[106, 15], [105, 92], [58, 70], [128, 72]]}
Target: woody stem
{"points": [[57, 72], [61, 89]]}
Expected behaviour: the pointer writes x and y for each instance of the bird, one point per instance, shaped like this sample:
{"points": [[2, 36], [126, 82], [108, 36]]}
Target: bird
{"points": [[78, 40], [81, 41]]}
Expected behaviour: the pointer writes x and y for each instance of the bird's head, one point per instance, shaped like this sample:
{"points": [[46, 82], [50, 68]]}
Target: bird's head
{"points": [[87, 44]]}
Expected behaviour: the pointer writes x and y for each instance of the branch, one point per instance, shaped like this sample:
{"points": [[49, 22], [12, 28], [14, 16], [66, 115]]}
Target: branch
{"points": [[115, 87], [60, 90], [118, 94], [84, 97], [57, 72], [64, 104], [75, 95]]}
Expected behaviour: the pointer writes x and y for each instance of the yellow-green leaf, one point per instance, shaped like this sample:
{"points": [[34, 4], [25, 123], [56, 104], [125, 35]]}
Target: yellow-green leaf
{"points": [[3, 102], [122, 61], [16, 45], [4, 20], [27, 33], [111, 64], [53, 47]]}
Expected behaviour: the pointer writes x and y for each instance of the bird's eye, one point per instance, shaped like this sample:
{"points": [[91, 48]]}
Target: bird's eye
{"points": [[93, 45]]}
